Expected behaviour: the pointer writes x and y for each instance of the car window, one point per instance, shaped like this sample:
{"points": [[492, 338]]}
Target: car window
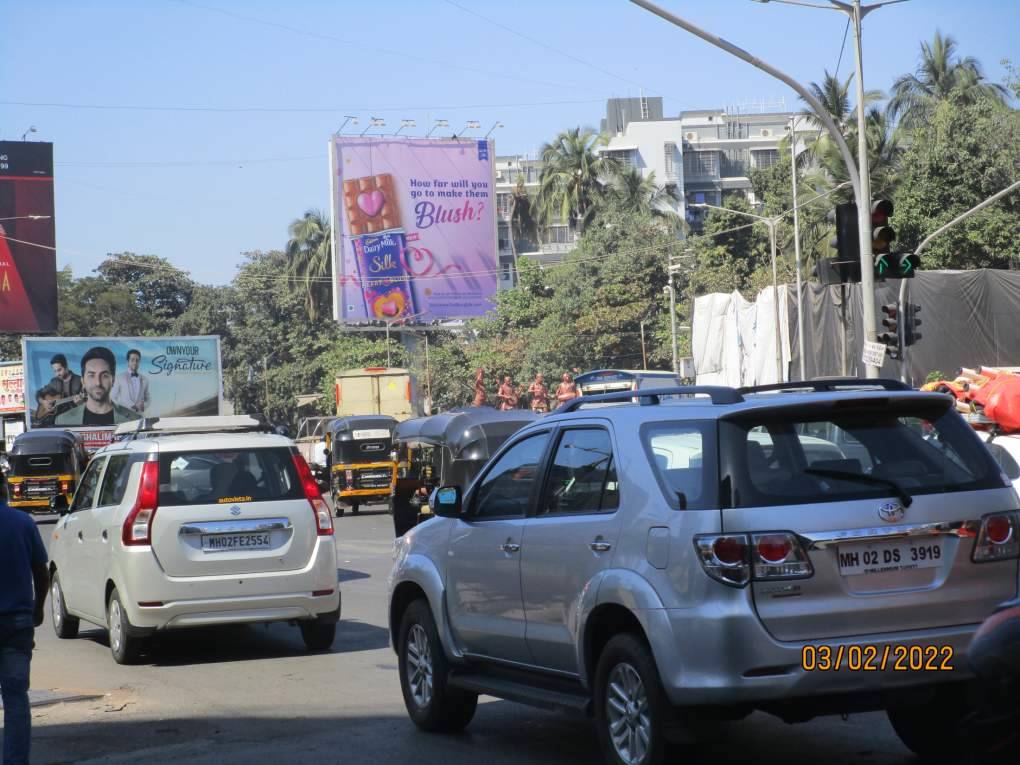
{"points": [[683, 457], [1006, 462], [506, 487], [582, 478], [222, 476], [115, 480], [86, 493], [924, 449]]}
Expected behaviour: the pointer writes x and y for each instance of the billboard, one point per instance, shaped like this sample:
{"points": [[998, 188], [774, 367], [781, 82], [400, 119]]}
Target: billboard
{"points": [[414, 229], [12, 387], [97, 383], [28, 261]]}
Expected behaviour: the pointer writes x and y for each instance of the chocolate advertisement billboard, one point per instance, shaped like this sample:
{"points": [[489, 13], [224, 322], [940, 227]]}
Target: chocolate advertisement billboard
{"points": [[28, 261], [93, 384], [414, 229]]}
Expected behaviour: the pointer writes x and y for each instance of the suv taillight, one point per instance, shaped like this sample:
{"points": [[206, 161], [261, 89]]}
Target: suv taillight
{"points": [[323, 518], [998, 539], [736, 559], [138, 525]]}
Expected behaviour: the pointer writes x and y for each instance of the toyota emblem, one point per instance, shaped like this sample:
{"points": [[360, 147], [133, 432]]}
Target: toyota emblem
{"points": [[235, 510], [891, 512]]}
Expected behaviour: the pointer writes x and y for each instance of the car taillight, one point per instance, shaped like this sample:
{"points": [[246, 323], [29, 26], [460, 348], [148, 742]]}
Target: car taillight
{"points": [[725, 558], [998, 538], [779, 555], [323, 517], [138, 524], [736, 559]]}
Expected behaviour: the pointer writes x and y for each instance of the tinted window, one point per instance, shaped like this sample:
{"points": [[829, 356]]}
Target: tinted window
{"points": [[1005, 460], [83, 498], [683, 456], [781, 460], [582, 478], [219, 477], [115, 480], [506, 487]]}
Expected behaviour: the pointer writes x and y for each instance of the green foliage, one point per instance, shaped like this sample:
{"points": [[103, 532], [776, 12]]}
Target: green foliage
{"points": [[935, 376]]}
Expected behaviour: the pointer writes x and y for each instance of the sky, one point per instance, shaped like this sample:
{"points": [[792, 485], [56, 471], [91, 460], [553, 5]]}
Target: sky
{"points": [[197, 130]]}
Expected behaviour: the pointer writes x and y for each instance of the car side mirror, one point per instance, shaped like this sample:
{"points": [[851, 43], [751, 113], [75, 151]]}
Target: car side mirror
{"points": [[445, 502], [59, 504]]}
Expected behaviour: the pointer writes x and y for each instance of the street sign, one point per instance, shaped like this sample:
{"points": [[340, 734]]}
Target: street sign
{"points": [[874, 353]]}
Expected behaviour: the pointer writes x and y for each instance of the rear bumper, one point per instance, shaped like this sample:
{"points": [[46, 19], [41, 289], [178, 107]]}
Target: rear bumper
{"points": [[173, 602], [729, 659]]}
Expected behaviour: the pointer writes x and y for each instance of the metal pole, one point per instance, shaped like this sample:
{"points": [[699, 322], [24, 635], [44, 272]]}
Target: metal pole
{"points": [[644, 356], [902, 302], [796, 247], [870, 329], [771, 222], [672, 322], [265, 379], [387, 344]]}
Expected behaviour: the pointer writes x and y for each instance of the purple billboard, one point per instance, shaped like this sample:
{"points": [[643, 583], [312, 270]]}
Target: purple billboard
{"points": [[414, 229]]}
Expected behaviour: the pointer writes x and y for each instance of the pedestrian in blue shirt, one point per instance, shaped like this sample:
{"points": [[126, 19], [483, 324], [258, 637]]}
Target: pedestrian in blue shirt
{"points": [[25, 581]]}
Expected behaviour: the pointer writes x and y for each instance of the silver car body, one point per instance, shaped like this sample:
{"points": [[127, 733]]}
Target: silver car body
{"points": [[526, 591]]}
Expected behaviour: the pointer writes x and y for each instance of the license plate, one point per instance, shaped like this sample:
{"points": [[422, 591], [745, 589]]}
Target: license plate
{"points": [[224, 542], [883, 557]]}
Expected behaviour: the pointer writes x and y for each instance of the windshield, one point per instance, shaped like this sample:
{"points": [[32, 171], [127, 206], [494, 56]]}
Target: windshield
{"points": [[40, 464], [778, 459], [219, 477]]}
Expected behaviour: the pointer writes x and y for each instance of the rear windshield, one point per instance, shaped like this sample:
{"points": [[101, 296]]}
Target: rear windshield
{"points": [[228, 476], [778, 459], [41, 464]]}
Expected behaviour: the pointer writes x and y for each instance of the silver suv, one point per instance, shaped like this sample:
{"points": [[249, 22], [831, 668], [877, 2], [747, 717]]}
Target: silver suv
{"points": [[659, 558], [194, 521]]}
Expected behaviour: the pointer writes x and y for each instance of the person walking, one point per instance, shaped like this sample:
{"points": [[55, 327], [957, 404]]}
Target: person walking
{"points": [[26, 581]]}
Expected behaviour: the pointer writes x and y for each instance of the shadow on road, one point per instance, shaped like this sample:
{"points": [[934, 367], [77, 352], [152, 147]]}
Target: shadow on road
{"points": [[350, 575]]}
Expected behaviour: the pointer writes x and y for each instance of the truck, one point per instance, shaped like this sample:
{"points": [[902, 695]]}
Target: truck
{"points": [[375, 390]]}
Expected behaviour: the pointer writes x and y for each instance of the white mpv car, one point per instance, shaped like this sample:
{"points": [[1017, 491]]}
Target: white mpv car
{"points": [[194, 521]]}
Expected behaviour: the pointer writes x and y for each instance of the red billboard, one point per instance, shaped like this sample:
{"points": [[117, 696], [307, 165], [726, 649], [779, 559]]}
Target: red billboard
{"points": [[28, 261]]}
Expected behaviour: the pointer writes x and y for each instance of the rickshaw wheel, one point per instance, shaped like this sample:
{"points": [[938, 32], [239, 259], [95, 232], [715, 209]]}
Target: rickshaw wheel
{"points": [[355, 506]]}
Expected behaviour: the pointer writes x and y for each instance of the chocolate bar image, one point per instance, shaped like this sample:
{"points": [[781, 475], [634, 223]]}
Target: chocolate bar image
{"points": [[371, 204]]}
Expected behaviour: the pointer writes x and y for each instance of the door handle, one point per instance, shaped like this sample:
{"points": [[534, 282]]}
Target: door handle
{"points": [[106, 536], [601, 545], [510, 547]]}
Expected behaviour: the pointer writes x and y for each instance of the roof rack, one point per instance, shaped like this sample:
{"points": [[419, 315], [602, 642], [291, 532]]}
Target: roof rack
{"points": [[651, 396], [157, 426], [828, 385]]}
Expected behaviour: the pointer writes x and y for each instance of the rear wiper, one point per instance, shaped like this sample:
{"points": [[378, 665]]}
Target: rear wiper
{"points": [[839, 475]]}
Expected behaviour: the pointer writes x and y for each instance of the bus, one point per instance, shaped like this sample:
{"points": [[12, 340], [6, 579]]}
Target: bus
{"points": [[610, 380]]}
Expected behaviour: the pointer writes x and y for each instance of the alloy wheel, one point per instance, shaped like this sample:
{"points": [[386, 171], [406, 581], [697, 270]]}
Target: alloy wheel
{"points": [[630, 725], [419, 666], [116, 625], [56, 604]]}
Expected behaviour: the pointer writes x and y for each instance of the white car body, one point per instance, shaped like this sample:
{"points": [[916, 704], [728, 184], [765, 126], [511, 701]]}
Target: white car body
{"points": [[186, 564], [1006, 450]]}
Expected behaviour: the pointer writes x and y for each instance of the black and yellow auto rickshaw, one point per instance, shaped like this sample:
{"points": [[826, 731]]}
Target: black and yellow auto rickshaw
{"points": [[42, 464], [446, 449], [363, 469]]}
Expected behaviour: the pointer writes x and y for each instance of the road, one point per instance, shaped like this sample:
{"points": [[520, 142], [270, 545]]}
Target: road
{"points": [[245, 694]]}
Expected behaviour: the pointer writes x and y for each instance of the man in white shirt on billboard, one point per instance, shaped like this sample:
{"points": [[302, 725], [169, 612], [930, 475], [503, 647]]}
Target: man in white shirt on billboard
{"points": [[131, 389]]}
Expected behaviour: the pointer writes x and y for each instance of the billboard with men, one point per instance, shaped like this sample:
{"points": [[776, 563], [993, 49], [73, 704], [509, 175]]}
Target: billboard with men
{"points": [[101, 382], [28, 259], [414, 229]]}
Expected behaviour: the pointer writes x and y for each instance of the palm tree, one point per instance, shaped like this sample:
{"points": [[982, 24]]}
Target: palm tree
{"points": [[642, 195], [835, 97], [573, 174], [309, 252], [522, 218], [939, 74]]}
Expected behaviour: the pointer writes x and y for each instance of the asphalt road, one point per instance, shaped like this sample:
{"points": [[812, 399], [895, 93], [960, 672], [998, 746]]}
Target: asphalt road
{"points": [[248, 694]]}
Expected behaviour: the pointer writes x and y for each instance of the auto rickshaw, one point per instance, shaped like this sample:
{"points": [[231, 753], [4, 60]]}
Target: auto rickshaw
{"points": [[446, 449], [363, 469], [43, 464]]}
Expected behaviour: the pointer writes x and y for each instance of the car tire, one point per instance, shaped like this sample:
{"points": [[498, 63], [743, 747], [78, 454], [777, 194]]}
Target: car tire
{"points": [[318, 636], [631, 708], [355, 506], [64, 625], [946, 713], [125, 647], [431, 704]]}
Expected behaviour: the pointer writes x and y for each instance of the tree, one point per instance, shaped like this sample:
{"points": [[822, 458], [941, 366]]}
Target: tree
{"points": [[572, 177], [939, 74], [641, 195], [161, 290], [309, 253]]}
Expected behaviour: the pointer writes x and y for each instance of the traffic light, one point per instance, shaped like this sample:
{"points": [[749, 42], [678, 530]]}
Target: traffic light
{"points": [[882, 237], [910, 324], [891, 337], [845, 267], [906, 264]]}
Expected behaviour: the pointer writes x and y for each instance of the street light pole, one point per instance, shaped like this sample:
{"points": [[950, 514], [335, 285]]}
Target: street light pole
{"points": [[672, 321], [796, 247]]}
